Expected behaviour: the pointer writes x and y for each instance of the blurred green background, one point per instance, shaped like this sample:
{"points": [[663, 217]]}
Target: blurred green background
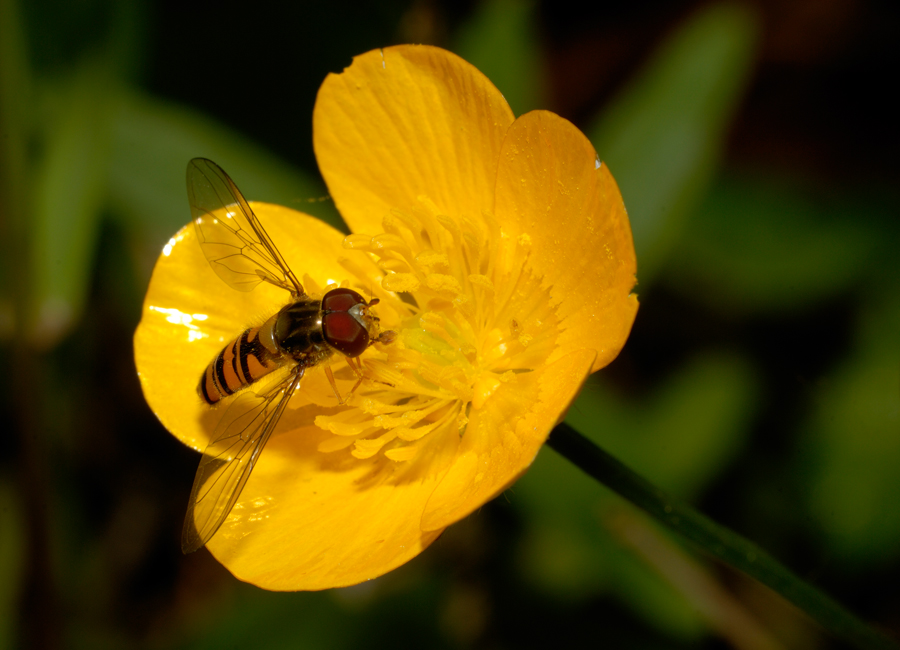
{"points": [[755, 145]]}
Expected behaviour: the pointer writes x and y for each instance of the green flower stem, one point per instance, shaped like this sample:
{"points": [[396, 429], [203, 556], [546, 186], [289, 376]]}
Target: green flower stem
{"points": [[722, 543]]}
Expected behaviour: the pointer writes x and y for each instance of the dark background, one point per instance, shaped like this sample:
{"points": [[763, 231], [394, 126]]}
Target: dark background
{"points": [[756, 148]]}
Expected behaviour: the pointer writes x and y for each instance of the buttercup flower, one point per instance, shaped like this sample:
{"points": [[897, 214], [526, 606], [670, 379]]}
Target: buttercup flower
{"points": [[501, 254]]}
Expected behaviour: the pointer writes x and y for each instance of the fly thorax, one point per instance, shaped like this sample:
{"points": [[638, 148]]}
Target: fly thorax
{"points": [[297, 329]]}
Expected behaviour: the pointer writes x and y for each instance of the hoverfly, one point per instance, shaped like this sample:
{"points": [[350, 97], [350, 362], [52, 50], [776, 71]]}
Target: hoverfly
{"points": [[302, 334]]}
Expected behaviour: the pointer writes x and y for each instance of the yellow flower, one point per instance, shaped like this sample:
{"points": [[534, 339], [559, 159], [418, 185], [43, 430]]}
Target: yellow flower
{"points": [[502, 256]]}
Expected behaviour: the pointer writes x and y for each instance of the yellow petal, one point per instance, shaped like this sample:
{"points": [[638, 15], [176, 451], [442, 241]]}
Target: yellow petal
{"points": [[309, 520], [407, 122], [189, 314], [552, 188], [503, 438]]}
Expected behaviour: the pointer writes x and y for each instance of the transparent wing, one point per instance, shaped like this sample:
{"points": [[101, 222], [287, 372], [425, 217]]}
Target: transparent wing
{"points": [[230, 457], [232, 238]]}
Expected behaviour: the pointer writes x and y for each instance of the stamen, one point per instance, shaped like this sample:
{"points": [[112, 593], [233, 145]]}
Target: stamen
{"points": [[432, 260], [367, 448], [401, 283], [484, 319], [443, 284]]}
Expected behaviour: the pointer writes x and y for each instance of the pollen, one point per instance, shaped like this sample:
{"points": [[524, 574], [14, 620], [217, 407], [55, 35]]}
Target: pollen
{"points": [[401, 283], [443, 283], [470, 316]]}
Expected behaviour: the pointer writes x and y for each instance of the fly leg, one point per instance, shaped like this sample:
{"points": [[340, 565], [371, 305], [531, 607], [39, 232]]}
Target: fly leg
{"points": [[334, 387], [356, 367]]}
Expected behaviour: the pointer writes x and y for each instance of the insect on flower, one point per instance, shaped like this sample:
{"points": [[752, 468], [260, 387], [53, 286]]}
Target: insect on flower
{"points": [[304, 333], [501, 253]]}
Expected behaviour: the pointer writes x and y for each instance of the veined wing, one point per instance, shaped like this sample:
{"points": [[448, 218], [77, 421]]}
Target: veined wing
{"points": [[230, 457], [232, 238]]}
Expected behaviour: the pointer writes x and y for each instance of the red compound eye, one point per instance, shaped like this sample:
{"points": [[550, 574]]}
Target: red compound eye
{"points": [[341, 300], [344, 331]]}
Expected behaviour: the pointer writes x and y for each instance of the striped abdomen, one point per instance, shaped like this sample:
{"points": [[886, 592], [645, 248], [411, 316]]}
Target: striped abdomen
{"points": [[238, 365]]}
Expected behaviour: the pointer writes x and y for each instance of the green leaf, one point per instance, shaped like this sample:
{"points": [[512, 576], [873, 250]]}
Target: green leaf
{"points": [[716, 540], [501, 40], [763, 244], [568, 553], [851, 447], [683, 436], [153, 142], [663, 136], [69, 189], [15, 129]]}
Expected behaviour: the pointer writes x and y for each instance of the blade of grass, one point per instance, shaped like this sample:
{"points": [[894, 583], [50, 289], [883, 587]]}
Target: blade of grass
{"points": [[663, 136], [15, 91], [69, 190], [152, 143], [717, 540], [38, 623], [501, 39]]}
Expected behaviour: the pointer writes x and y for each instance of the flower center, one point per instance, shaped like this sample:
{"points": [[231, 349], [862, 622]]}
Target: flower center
{"points": [[470, 317]]}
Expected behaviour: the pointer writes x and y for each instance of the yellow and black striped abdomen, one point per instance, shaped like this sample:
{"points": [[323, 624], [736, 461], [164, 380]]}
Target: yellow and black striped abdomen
{"points": [[239, 364]]}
